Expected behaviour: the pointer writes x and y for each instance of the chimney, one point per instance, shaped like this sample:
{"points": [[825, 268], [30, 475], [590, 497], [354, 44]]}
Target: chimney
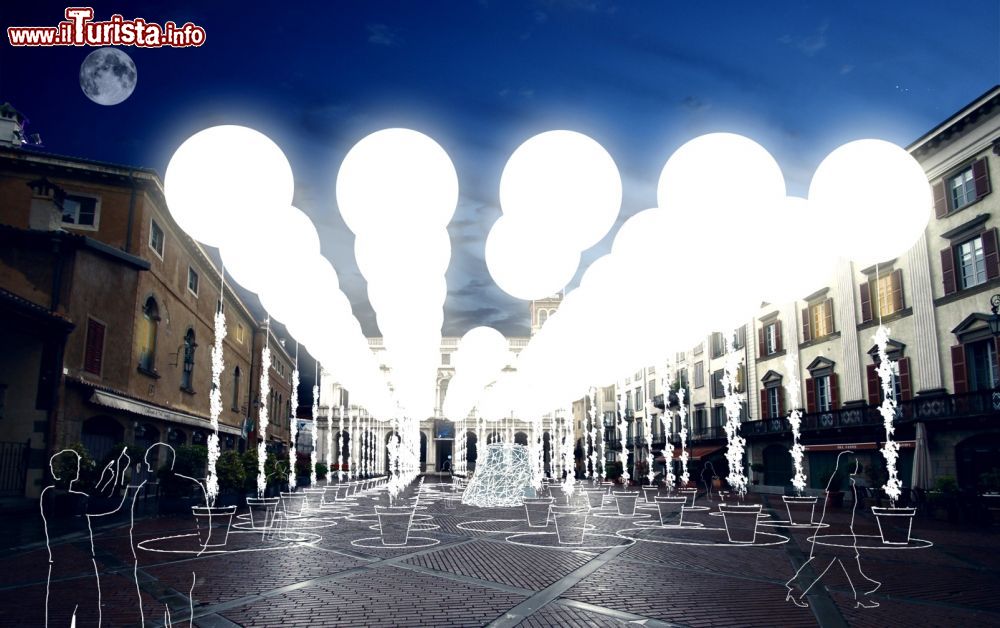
{"points": [[46, 205], [11, 126]]}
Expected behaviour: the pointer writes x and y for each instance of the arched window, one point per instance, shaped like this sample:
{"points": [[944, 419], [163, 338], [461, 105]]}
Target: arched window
{"points": [[543, 316], [147, 335], [187, 377], [236, 389]]}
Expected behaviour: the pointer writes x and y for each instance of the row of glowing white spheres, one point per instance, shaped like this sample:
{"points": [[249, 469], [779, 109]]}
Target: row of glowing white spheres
{"points": [[481, 356], [397, 190], [691, 266]]}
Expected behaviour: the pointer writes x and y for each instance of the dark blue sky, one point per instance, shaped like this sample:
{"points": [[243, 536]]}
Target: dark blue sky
{"points": [[481, 77]]}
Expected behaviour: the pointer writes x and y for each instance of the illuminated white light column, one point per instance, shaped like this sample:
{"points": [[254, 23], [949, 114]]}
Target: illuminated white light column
{"points": [[293, 424], [340, 446], [647, 426], [592, 415], [622, 437], [262, 416], [890, 451], [733, 401], [666, 421], [795, 420], [329, 443], [315, 431], [215, 402]]}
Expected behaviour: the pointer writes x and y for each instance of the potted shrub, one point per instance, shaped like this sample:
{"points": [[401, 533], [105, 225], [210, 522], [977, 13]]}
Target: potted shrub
{"points": [[571, 524], [595, 497], [232, 477]]}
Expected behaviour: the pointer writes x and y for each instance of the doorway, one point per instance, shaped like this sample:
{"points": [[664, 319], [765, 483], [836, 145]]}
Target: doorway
{"points": [[444, 458]]}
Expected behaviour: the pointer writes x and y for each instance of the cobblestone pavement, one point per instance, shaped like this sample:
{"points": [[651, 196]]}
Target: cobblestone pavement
{"points": [[467, 566]]}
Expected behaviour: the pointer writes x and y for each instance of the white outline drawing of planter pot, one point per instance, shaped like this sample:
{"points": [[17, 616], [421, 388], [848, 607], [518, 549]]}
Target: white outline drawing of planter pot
{"points": [[292, 504], [689, 492], [262, 511], [625, 502], [649, 494], [671, 510], [559, 495], [741, 521], [595, 497], [536, 509], [571, 524], [314, 498], [801, 509], [890, 520], [213, 524], [394, 523]]}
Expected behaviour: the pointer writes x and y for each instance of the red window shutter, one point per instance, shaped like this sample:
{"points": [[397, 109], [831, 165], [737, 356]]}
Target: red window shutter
{"points": [[828, 312], [777, 336], [958, 372], [810, 395], [990, 256], [866, 302], [761, 347], [874, 386], [94, 352], [905, 390], [834, 392], [765, 407], [981, 178], [897, 290], [948, 271], [806, 336], [940, 199]]}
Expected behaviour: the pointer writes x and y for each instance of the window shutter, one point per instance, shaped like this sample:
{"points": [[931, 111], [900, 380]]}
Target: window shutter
{"points": [[777, 336], [810, 395], [897, 290], [905, 390], [990, 254], [874, 386], [828, 312], [834, 392], [806, 335], [761, 347], [866, 302], [940, 199], [958, 369], [94, 352], [781, 402], [948, 271], [765, 410], [981, 178]]}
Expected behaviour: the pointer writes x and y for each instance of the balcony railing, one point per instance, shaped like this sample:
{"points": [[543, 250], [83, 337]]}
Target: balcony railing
{"points": [[929, 408]]}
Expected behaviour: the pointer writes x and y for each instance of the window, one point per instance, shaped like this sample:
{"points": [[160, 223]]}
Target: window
{"points": [[699, 374], [192, 281], [148, 328], [700, 415], [445, 358], [961, 188], [718, 391], [652, 388], [823, 398], [638, 399], [740, 337], [887, 292], [971, 263], [770, 338], [93, 358], [638, 376], [699, 349], [774, 402], [81, 212], [241, 333], [543, 315], [156, 238], [187, 376], [718, 344], [817, 320], [718, 416], [981, 361], [236, 389]]}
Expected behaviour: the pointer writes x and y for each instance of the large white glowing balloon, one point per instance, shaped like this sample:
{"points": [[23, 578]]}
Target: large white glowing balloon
{"points": [[565, 183], [223, 175], [397, 255], [397, 179], [286, 232], [524, 263], [875, 197], [800, 262]]}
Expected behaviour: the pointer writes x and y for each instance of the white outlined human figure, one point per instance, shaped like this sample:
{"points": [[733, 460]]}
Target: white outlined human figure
{"points": [[707, 476], [150, 459], [86, 601], [823, 556]]}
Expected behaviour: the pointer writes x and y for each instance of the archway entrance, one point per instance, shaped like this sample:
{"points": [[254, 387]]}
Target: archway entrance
{"points": [[975, 456], [777, 465]]}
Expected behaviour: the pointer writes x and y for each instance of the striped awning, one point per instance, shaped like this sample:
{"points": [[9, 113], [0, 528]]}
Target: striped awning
{"points": [[118, 402]]}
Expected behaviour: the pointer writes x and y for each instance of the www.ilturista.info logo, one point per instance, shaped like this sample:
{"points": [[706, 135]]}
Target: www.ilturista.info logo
{"points": [[80, 29]]}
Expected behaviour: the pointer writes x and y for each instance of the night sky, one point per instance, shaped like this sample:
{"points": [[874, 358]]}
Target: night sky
{"points": [[641, 78]]}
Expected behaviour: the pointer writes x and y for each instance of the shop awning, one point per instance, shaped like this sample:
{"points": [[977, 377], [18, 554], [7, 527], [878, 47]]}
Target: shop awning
{"points": [[118, 402], [903, 444], [694, 453]]}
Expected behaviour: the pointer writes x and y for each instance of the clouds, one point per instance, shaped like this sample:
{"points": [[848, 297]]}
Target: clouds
{"points": [[381, 35], [810, 44]]}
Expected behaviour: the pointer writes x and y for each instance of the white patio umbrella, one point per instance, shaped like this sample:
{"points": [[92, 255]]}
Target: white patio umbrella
{"points": [[921, 460]]}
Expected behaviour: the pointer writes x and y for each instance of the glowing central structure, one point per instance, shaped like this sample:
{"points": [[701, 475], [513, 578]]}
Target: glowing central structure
{"points": [[501, 478]]}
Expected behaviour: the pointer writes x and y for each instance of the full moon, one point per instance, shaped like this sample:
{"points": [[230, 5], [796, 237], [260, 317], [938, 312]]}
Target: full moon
{"points": [[107, 76]]}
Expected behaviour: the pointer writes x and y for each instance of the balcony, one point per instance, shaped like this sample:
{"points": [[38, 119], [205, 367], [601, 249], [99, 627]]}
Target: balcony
{"points": [[930, 408]]}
